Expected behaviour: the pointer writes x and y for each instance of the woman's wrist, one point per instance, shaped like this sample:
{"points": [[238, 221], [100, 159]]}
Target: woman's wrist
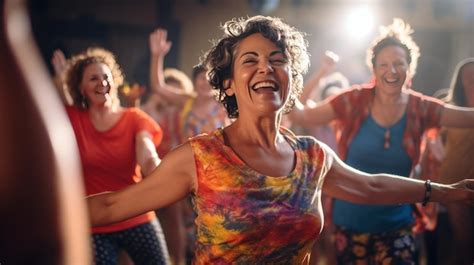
{"points": [[441, 193], [427, 195]]}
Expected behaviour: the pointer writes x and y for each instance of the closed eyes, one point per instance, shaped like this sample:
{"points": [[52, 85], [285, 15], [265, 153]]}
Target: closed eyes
{"points": [[276, 61]]}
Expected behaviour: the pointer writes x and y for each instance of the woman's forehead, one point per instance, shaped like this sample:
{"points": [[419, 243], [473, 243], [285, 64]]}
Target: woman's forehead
{"points": [[97, 67], [391, 51], [254, 43]]}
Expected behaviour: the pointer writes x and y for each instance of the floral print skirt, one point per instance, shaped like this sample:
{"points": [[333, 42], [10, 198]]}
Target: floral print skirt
{"points": [[396, 247]]}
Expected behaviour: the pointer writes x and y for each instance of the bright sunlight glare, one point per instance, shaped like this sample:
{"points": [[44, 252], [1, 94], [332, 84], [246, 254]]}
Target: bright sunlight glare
{"points": [[359, 21]]}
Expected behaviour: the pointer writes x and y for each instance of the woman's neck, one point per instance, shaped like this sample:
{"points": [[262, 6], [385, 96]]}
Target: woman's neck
{"points": [[387, 109], [389, 98], [107, 107], [261, 131], [103, 111]]}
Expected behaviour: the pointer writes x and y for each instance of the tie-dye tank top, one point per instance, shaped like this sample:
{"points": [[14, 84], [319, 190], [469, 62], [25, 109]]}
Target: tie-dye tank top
{"points": [[244, 217]]}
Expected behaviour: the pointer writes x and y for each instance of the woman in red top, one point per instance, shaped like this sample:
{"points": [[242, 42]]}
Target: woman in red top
{"points": [[112, 142]]}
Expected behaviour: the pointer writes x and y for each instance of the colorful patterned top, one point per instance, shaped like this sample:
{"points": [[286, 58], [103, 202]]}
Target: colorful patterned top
{"points": [[192, 125], [244, 217], [352, 108]]}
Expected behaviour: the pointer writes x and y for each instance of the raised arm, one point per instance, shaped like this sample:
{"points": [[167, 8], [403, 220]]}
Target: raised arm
{"points": [[458, 117], [318, 114], [328, 62], [172, 180], [349, 184], [307, 111], [58, 60], [159, 47]]}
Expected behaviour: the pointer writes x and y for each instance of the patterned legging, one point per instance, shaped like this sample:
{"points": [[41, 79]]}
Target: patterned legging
{"points": [[397, 247], [145, 244]]}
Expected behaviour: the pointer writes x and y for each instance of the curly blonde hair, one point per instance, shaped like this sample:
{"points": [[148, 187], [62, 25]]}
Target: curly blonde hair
{"points": [[219, 58], [75, 70], [396, 34]]}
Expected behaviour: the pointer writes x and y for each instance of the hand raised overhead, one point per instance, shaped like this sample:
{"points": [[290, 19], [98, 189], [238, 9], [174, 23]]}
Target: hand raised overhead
{"points": [[159, 44]]}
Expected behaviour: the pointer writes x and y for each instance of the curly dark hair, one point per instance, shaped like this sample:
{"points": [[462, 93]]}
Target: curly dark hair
{"points": [[75, 70], [396, 34], [456, 94], [219, 59]]}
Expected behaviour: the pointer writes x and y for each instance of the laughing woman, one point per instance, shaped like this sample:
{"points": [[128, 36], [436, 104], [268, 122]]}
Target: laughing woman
{"points": [[112, 141], [380, 130], [254, 181]]}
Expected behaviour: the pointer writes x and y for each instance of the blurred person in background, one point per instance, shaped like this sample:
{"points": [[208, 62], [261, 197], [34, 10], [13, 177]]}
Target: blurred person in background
{"points": [[199, 112], [113, 141], [457, 164], [380, 127]]}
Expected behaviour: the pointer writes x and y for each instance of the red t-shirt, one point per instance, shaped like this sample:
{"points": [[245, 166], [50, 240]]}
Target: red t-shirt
{"points": [[109, 158]]}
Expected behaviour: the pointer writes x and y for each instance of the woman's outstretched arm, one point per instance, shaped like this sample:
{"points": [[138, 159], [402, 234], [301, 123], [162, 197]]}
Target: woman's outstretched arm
{"points": [[457, 117], [347, 183]]}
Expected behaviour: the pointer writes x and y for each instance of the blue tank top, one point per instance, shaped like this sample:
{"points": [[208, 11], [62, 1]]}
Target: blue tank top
{"points": [[366, 152]]}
